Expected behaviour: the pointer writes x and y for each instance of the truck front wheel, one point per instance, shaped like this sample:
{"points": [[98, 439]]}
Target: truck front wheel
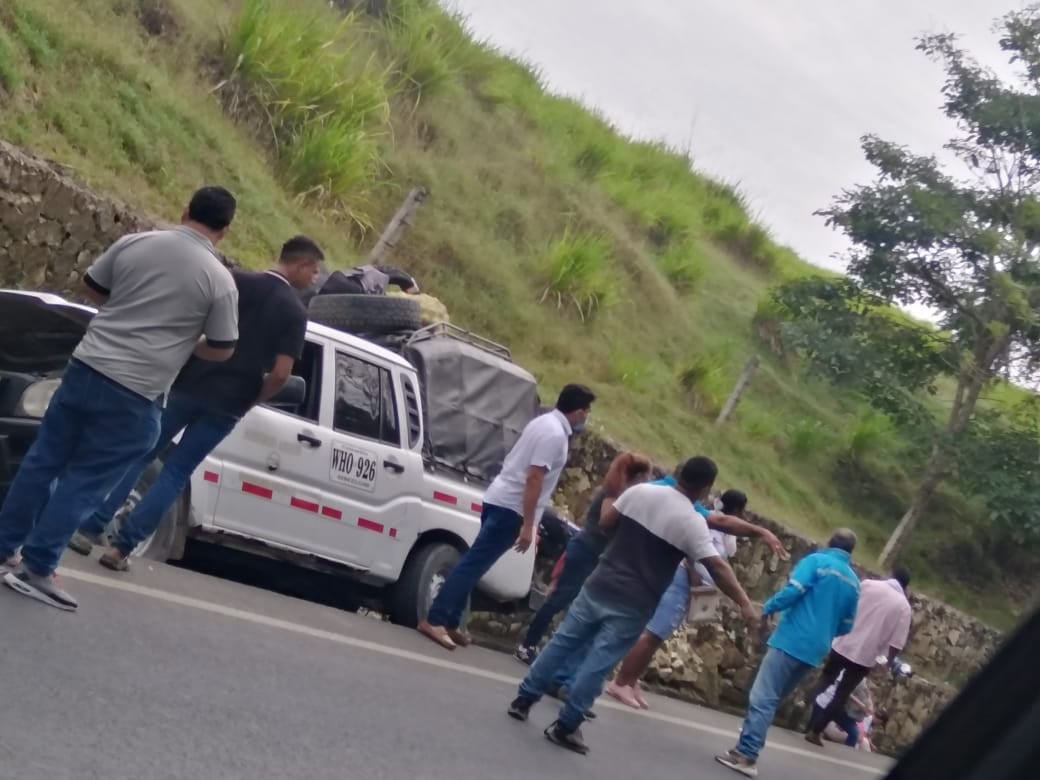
{"points": [[421, 581]]}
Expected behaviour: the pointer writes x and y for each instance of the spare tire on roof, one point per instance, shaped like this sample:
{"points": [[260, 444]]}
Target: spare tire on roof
{"points": [[366, 313]]}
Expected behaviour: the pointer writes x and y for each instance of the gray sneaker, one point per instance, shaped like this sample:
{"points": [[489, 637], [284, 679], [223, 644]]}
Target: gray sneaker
{"points": [[10, 564], [83, 542], [738, 763], [45, 589]]}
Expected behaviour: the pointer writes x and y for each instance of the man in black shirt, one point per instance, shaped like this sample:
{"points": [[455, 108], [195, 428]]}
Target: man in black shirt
{"points": [[208, 399]]}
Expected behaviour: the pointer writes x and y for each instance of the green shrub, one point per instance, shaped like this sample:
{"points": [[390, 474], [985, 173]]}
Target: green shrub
{"points": [[10, 73], [871, 434], [806, 438], [324, 104], [432, 49], [682, 266], [705, 380], [578, 269]]}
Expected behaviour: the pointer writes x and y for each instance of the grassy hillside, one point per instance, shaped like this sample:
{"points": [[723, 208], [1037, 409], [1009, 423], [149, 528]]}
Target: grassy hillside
{"points": [[595, 258]]}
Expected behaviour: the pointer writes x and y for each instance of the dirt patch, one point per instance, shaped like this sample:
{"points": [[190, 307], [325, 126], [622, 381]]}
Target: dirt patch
{"points": [[157, 18]]}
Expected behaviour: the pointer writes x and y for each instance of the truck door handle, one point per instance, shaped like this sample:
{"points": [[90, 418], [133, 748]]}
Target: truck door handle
{"points": [[397, 468], [306, 438]]}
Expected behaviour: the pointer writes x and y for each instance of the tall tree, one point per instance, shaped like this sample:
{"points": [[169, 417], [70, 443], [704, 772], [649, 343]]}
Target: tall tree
{"points": [[961, 238]]}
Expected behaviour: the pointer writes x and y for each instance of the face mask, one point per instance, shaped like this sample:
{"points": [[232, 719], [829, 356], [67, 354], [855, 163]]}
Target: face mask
{"points": [[578, 427]]}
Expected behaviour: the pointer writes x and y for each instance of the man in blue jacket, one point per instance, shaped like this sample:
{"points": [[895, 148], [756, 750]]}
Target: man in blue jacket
{"points": [[817, 605]]}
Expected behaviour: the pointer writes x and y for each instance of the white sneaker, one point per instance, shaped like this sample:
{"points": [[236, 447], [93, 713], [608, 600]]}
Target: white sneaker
{"points": [[45, 589]]}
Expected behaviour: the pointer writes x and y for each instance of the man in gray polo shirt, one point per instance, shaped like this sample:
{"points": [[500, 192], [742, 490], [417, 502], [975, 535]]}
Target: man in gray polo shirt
{"points": [[163, 296]]}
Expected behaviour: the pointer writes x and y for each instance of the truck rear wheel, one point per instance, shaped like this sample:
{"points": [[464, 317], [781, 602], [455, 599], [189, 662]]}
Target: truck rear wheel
{"points": [[420, 582], [165, 542], [374, 314]]}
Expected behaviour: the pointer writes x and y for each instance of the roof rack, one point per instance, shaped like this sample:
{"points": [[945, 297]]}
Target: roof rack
{"points": [[455, 332]]}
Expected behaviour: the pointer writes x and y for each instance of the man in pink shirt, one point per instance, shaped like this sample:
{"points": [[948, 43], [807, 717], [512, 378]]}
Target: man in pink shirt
{"points": [[882, 627]]}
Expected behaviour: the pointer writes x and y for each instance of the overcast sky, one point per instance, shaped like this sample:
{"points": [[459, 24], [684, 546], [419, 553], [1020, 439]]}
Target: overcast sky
{"points": [[770, 94]]}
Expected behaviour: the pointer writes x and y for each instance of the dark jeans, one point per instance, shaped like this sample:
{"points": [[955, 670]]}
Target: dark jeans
{"points": [[578, 563], [845, 723], [852, 675], [204, 429], [499, 528], [93, 429]]}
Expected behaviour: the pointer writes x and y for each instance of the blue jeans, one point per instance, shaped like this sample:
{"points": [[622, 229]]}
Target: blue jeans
{"points": [[777, 677], [204, 429], [91, 431], [499, 528], [844, 722], [608, 629], [673, 607], [578, 563]]}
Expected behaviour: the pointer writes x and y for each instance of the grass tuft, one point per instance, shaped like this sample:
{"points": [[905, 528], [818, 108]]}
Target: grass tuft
{"points": [[432, 50], [578, 268], [303, 74]]}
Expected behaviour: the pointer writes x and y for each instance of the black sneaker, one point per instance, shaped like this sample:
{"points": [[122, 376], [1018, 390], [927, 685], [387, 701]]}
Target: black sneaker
{"points": [[520, 708], [525, 655], [572, 740], [45, 589], [561, 693]]}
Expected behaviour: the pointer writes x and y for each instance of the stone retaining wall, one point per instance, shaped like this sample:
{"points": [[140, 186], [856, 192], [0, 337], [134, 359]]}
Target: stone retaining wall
{"points": [[714, 664], [51, 226]]}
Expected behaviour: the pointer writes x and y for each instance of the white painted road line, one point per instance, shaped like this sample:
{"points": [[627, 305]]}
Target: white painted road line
{"points": [[395, 652]]}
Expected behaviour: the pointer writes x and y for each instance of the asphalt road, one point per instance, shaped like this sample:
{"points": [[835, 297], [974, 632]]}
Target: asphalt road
{"points": [[166, 673]]}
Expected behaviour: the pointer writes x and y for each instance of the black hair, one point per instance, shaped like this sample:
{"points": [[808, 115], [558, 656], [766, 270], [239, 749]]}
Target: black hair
{"points": [[697, 473], [733, 502], [574, 398], [213, 207], [300, 246], [901, 575]]}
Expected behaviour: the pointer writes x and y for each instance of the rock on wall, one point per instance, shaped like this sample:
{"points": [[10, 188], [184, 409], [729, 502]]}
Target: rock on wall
{"points": [[51, 226], [714, 664]]}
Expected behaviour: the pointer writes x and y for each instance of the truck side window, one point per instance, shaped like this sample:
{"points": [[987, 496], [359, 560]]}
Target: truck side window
{"points": [[414, 420], [365, 401]]}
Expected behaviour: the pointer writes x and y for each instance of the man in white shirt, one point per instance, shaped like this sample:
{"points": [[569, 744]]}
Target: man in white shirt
{"points": [[882, 628], [512, 504], [657, 527]]}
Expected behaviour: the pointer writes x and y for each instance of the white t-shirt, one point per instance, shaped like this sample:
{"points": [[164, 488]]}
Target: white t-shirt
{"points": [[544, 443]]}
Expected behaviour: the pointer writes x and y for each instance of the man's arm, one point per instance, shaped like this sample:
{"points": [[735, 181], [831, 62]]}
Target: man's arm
{"points": [[849, 619], [276, 377], [735, 526], [532, 492], [900, 634], [802, 579], [99, 278], [399, 278], [727, 582], [220, 331], [215, 352]]}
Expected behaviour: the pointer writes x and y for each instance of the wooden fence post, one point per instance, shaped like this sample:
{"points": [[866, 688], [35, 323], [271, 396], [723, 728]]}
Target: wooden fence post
{"points": [[738, 390], [395, 227]]}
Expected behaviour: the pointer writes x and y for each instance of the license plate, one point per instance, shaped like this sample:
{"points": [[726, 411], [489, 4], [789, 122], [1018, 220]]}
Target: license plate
{"points": [[353, 467]]}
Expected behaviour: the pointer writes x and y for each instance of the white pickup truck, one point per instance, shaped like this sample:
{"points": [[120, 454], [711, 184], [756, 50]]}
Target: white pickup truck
{"points": [[337, 473]]}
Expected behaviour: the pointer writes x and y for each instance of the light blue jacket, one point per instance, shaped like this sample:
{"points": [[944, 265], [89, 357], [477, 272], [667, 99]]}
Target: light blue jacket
{"points": [[818, 604]]}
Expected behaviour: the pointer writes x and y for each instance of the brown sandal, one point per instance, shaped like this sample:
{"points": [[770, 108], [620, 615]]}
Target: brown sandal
{"points": [[460, 636], [438, 634]]}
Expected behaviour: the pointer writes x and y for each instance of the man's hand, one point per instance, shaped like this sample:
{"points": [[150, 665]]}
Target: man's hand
{"points": [[525, 538], [773, 543], [752, 614]]}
